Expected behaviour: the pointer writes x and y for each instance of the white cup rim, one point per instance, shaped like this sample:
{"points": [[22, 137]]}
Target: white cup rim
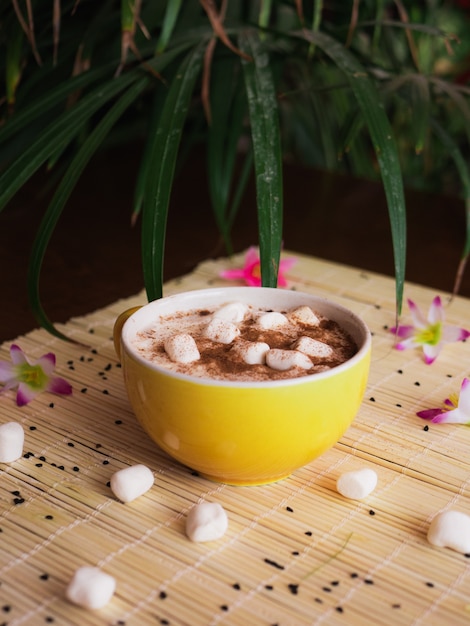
{"points": [[198, 298]]}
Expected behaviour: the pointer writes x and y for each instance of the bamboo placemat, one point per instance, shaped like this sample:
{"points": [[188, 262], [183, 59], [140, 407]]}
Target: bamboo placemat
{"points": [[296, 552]]}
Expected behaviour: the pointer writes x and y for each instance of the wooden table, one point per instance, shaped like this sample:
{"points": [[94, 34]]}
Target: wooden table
{"points": [[296, 552]]}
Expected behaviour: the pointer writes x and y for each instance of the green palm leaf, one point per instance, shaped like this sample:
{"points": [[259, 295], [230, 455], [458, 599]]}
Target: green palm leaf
{"points": [[384, 145], [46, 228], [161, 170], [264, 120]]}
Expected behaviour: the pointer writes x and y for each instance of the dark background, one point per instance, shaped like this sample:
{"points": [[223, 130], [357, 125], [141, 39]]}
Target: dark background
{"points": [[94, 256]]}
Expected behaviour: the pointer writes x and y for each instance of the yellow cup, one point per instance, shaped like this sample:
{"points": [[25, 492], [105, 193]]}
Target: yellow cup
{"points": [[243, 433]]}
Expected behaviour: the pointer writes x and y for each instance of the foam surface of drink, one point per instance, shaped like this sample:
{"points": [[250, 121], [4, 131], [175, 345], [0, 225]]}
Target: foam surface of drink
{"points": [[243, 344]]}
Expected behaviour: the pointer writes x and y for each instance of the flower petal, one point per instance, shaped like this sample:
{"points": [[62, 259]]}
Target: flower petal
{"points": [[251, 256], [407, 343], [404, 331], [431, 352], [454, 333], [59, 385], [17, 355], [47, 363], [436, 311], [464, 398], [452, 417], [232, 274], [7, 372], [429, 414], [25, 394], [416, 315]]}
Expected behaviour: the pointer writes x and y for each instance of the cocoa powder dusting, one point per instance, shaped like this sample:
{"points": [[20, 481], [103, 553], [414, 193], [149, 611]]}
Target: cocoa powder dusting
{"points": [[221, 362]]}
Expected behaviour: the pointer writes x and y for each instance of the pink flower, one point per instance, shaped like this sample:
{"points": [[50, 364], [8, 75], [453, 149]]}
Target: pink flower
{"points": [[31, 377], [429, 333], [251, 271], [455, 411]]}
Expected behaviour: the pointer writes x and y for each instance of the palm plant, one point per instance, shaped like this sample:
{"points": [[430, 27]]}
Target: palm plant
{"points": [[341, 85]]}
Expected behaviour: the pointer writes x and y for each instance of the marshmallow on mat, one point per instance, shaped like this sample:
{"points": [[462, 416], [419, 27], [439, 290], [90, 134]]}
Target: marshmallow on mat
{"points": [[450, 529], [182, 348], [90, 588], [282, 360], [271, 320], [232, 312], [11, 442], [206, 521], [313, 347], [304, 315], [131, 482], [221, 331], [357, 484]]}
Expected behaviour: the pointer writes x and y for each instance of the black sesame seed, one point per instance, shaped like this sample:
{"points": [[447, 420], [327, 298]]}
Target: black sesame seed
{"points": [[44, 576], [38, 464], [15, 493], [94, 351], [105, 462], [327, 589], [49, 619], [334, 583], [106, 392], [354, 575], [121, 622], [92, 332], [372, 512], [295, 553], [61, 467], [163, 595], [48, 517], [400, 371], [224, 607], [118, 422], [17, 501], [236, 586], [318, 600], [372, 399], [368, 581], [467, 555], [108, 367], [308, 533], [6, 608], [274, 564], [32, 427], [396, 606], [71, 444], [339, 609], [290, 509], [426, 428], [108, 484], [164, 622], [51, 405], [42, 458], [429, 584], [27, 455], [417, 383], [294, 589], [75, 468], [98, 445], [84, 390], [269, 587]]}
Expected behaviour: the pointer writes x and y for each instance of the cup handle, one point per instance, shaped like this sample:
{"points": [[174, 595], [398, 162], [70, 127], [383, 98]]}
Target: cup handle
{"points": [[118, 324]]}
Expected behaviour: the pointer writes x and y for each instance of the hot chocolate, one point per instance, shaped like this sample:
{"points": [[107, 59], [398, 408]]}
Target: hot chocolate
{"points": [[239, 342]]}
